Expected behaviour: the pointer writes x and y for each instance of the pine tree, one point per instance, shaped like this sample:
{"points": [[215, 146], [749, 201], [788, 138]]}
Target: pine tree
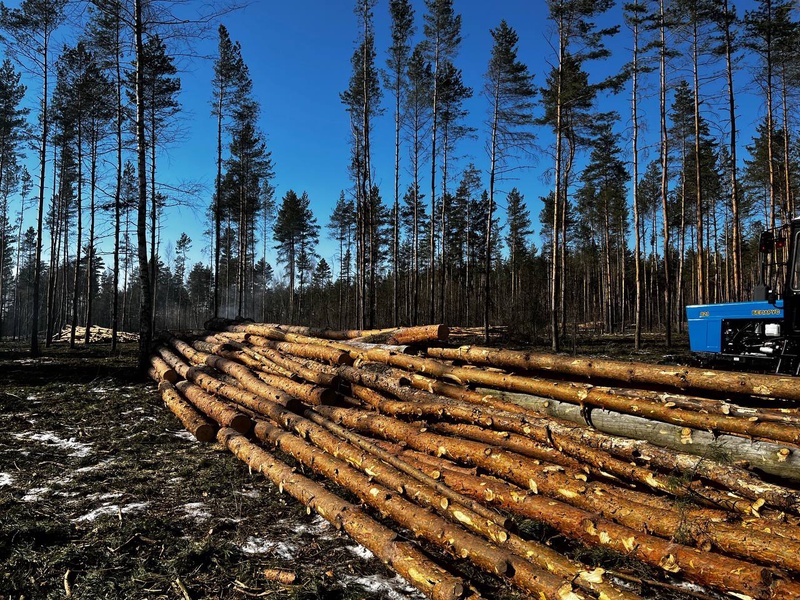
{"points": [[442, 31], [402, 14], [296, 233], [510, 92], [342, 228], [518, 221], [566, 98], [362, 99], [231, 88], [109, 36], [29, 30]]}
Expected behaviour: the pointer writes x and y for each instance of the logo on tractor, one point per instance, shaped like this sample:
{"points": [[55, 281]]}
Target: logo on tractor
{"points": [[771, 311]]}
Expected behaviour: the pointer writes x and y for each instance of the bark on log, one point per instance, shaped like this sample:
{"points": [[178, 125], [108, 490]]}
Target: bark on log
{"points": [[704, 568], [421, 522], [331, 355], [775, 459], [236, 394], [164, 371], [219, 411], [306, 369], [426, 576], [591, 496], [588, 395], [683, 378], [193, 421], [272, 388]]}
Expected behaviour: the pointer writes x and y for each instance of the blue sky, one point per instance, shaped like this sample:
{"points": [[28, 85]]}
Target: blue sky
{"points": [[299, 55], [299, 58]]}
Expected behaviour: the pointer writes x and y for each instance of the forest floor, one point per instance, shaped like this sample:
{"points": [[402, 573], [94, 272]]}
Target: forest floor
{"points": [[104, 495]]}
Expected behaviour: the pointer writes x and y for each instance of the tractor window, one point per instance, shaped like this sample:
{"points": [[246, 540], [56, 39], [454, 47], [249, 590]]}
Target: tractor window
{"points": [[796, 263]]}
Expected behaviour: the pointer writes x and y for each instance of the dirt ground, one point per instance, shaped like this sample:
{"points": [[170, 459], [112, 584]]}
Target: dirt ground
{"points": [[104, 494]]}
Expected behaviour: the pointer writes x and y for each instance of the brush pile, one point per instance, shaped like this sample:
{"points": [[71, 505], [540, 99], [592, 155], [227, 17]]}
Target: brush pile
{"points": [[459, 445]]}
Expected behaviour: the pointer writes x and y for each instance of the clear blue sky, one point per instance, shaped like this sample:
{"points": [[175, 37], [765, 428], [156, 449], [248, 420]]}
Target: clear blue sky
{"points": [[299, 55]]}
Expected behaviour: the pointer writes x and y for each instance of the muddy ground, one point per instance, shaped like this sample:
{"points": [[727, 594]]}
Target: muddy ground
{"points": [[104, 495]]}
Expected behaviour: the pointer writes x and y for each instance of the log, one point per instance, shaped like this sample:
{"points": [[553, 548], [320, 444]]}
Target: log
{"points": [[775, 459], [236, 394], [590, 496], [193, 421], [422, 523], [420, 571], [219, 411], [682, 378], [701, 567], [422, 334], [311, 351], [273, 387], [588, 395], [164, 371]]}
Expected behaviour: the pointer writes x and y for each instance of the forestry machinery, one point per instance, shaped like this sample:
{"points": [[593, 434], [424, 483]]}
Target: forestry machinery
{"points": [[763, 334]]}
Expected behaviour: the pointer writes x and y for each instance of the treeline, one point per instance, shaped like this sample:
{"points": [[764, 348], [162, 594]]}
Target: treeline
{"points": [[624, 242]]}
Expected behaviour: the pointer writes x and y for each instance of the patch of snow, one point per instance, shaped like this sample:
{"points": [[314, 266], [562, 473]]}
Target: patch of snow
{"points": [[183, 434], [394, 588], [361, 552], [318, 527], [6, 479], [101, 465], [35, 494], [110, 509], [79, 449], [196, 510], [257, 545]]}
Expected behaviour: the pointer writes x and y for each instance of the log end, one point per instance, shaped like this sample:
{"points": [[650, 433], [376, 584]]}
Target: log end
{"points": [[240, 423], [204, 433]]}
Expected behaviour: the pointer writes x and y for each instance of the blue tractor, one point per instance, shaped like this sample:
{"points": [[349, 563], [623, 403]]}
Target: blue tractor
{"points": [[763, 334]]}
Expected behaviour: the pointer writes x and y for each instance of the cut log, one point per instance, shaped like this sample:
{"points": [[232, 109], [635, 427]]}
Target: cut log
{"points": [[331, 355], [422, 523], [165, 372], [591, 496], [704, 568], [219, 411], [193, 421], [683, 378], [426, 576], [588, 395], [776, 459]]}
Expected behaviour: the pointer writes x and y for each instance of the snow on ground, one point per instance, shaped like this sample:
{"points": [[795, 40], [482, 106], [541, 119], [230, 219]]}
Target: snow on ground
{"points": [[257, 545], [35, 494], [361, 552], [101, 465], [196, 510], [183, 434], [79, 449], [319, 526], [6, 479], [110, 509], [394, 588]]}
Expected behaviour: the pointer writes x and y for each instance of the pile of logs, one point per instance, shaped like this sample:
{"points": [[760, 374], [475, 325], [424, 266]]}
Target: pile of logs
{"points": [[457, 445], [97, 335]]}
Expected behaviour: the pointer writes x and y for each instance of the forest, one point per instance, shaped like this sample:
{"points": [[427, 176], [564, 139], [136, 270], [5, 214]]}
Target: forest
{"points": [[624, 243]]}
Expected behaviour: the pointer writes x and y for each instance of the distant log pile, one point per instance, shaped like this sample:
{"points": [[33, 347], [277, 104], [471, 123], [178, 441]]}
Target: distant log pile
{"points": [[97, 335], [453, 444]]}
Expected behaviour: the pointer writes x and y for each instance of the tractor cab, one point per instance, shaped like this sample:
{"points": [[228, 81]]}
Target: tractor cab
{"points": [[762, 334]]}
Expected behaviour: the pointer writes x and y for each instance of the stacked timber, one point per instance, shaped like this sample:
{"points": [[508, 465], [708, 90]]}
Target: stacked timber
{"points": [[454, 446], [97, 335]]}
